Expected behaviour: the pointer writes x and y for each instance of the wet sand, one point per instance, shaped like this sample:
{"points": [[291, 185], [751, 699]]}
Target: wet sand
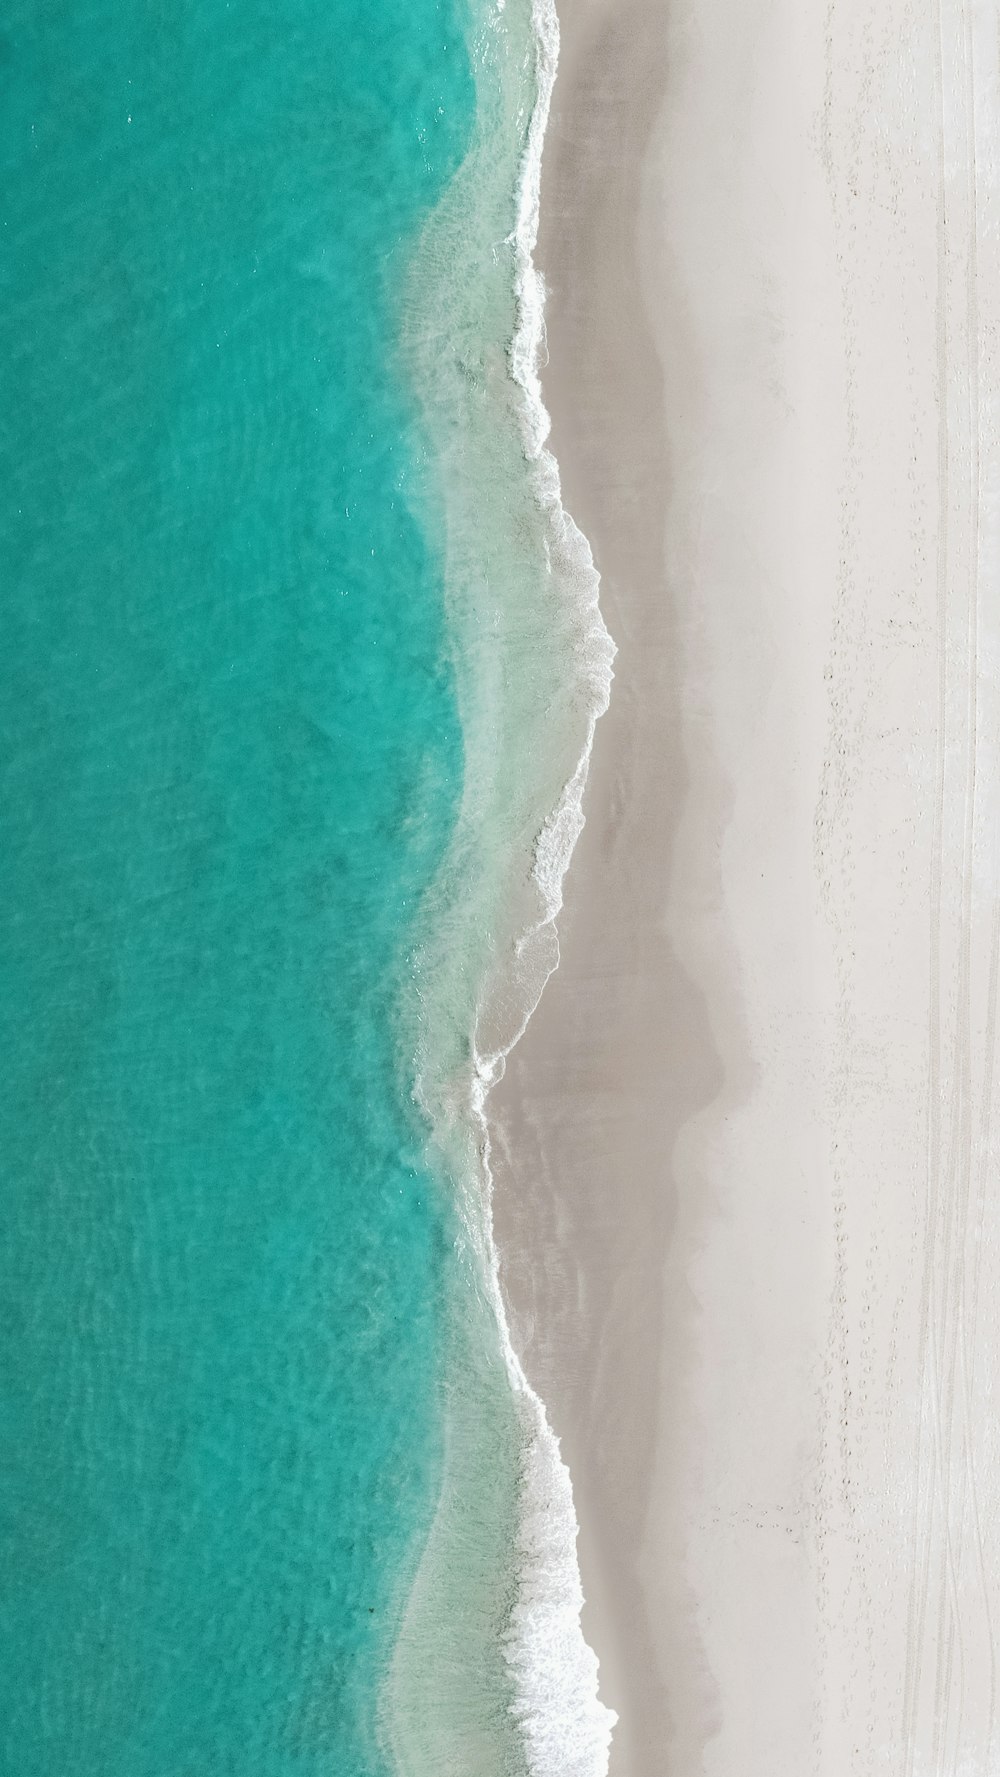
{"points": [[746, 1159], [619, 1054]]}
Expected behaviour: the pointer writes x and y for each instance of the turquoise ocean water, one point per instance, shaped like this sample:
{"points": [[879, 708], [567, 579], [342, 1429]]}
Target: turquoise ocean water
{"points": [[263, 580]]}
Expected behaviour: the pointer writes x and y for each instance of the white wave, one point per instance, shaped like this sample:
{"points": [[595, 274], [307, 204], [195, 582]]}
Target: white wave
{"points": [[564, 1728], [567, 1729]]}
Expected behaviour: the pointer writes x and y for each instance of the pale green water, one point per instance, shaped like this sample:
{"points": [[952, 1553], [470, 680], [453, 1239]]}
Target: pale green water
{"points": [[229, 762]]}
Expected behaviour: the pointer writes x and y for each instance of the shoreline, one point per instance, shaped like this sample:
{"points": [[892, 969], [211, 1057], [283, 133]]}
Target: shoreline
{"points": [[602, 385], [504, 1531]]}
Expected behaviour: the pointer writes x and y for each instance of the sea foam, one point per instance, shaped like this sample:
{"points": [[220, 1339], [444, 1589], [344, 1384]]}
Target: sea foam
{"points": [[567, 1728], [532, 662]]}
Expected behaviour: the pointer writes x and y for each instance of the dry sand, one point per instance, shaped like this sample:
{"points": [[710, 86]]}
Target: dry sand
{"points": [[747, 1180]]}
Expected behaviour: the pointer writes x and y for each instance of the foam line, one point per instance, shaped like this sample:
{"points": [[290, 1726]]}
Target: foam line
{"points": [[566, 1728]]}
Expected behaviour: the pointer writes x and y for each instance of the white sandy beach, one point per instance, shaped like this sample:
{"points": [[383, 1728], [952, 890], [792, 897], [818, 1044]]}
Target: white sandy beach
{"points": [[747, 1170]]}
